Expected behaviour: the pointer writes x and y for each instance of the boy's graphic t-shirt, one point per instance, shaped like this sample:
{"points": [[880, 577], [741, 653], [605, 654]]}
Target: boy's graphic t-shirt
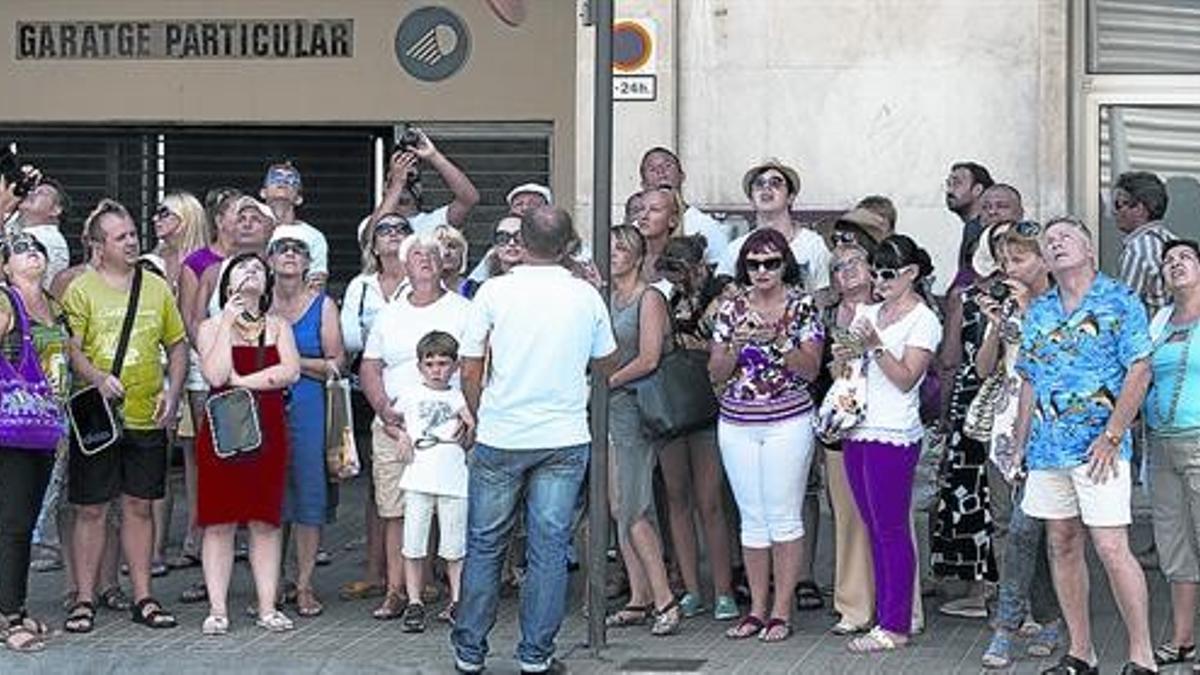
{"points": [[431, 418]]}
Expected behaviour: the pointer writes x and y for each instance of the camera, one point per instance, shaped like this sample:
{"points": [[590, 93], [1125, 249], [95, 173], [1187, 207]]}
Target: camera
{"points": [[409, 140], [23, 181], [999, 291]]}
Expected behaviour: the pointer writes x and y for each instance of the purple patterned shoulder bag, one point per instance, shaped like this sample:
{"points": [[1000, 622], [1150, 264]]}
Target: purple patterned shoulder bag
{"points": [[30, 415]]}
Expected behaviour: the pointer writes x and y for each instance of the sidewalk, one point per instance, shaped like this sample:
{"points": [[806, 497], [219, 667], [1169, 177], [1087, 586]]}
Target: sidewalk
{"points": [[345, 639]]}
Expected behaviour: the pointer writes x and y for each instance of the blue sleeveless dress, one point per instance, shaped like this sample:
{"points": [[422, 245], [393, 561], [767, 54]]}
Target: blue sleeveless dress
{"points": [[305, 499]]}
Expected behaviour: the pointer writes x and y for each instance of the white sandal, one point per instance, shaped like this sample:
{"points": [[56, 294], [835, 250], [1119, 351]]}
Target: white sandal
{"points": [[877, 640], [276, 622], [215, 625]]}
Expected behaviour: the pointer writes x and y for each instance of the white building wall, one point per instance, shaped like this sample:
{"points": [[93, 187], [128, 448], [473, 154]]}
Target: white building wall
{"points": [[861, 96]]}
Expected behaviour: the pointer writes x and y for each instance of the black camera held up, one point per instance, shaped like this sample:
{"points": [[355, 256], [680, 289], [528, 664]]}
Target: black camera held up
{"points": [[23, 178], [999, 290], [409, 140]]}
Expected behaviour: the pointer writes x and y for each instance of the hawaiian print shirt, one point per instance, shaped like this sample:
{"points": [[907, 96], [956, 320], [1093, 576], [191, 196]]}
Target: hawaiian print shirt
{"points": [[762, 388], [1077, 364]]}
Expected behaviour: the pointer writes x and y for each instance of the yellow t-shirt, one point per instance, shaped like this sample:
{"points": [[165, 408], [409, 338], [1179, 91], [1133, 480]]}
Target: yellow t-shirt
{"points": [[96, 311]]}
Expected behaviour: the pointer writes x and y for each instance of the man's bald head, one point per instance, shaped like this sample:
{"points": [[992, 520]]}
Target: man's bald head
{"points": [[546, 230]]}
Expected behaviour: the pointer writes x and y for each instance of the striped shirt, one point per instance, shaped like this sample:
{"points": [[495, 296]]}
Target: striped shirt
{"points": [[1141, 264]]}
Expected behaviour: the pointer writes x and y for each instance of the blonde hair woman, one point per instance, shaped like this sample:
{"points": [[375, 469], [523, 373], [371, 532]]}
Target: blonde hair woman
{"points": [[181, 227]]}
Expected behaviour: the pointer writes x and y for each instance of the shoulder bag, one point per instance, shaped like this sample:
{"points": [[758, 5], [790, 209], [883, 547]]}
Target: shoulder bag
{"points": [[677, 398], [96, 421], [233, 416], [30, 415]]}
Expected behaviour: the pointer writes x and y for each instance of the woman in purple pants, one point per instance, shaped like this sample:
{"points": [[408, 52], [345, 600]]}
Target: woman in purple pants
{"points": [[898, 337]]}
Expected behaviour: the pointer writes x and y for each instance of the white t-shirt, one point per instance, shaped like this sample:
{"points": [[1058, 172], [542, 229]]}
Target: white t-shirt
{"points": [[400, 326], [543, 326], [894, 416], [440, 469], [362, 302], [318, 249], [696, 221], [809, 249]]}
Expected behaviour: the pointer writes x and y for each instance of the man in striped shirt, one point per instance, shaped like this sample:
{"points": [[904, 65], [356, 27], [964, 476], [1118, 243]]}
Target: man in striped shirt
{"points": [[1139, 202]]}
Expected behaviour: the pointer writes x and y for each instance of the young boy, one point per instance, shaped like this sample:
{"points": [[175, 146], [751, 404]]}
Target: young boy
{"points": [[439, 426]]}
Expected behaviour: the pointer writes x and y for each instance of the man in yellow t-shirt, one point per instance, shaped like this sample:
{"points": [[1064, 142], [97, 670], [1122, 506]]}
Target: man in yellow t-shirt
{"points": [[135, 467]]}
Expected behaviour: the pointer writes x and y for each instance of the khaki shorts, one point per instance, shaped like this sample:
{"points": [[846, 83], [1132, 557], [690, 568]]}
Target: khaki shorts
{"points": [[386, 471], [1175, 466], [1059, 494]]}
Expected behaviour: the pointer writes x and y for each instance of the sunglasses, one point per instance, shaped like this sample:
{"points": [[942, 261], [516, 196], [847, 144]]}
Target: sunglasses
{"points": [[772, 264], [506, 238], [288, 246], [764, 182], [162, 212], [385, 228], [1027, 228], [844, 237], [847, 264], [21, 246], [886, 273]]}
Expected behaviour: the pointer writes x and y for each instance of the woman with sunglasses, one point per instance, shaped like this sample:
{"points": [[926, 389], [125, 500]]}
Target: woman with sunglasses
{"points": [[898, 337], [642, 330], [378, 285], [506, 253], [766, 349], [24, 474], [691, 464], [313, 317], [245, 347]]}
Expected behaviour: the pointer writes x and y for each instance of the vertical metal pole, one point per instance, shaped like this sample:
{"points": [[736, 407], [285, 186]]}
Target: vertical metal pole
{"points": [[601, 216]]}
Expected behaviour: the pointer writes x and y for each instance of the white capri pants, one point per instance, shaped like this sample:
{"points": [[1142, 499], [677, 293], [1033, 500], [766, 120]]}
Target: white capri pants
{"points": [[767, 466], [452, 525]]}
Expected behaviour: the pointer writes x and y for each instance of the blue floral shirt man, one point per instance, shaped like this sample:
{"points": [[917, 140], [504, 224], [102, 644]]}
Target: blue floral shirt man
{"points": [[1076, 364]]}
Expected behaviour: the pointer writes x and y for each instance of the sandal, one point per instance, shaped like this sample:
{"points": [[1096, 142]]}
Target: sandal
{"points": [[748, 627], [287, 593], [448, 613], [629, 615], [777, 630], [115, 599], [323, 558], [275, 622], [414, 618], [877, 640], [666, 620], [197, 592], [999, 652], [158, 568], [844, 627], [23, 620], [183, 561], [392, 607], [150, 613], [81, 618], [808, 596], [1168, 654], [20, 639], [215, 625], [307, 604], [360, 590]]}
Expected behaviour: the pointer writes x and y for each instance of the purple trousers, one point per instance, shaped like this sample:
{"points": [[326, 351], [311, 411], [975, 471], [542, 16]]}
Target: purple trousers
{"points": [[881, 478]]}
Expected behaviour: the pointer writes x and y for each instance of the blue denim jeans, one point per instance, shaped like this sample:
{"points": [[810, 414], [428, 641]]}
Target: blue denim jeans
{"points": [[1025, 580], [549, 481]]}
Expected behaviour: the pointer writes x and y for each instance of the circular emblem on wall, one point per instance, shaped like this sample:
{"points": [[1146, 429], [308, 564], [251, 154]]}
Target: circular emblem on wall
{"points": [[432, 43]]}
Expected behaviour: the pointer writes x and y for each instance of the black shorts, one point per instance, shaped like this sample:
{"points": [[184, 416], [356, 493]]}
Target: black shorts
{"points": [[136, 466]]}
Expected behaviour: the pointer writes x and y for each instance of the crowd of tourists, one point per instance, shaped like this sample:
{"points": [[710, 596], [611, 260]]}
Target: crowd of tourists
{"points": [[968, 444]]}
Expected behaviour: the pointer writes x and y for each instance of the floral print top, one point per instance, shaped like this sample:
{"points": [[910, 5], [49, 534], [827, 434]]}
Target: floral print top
{"points": [[762, 388]]}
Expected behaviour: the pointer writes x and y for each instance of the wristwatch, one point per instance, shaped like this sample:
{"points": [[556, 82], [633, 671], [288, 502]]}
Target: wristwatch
{"points": [[1114, 439], [875, 354]]}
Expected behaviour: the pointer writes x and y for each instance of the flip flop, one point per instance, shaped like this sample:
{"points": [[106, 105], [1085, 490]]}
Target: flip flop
{"points": [[748, 627], [771, 632]]}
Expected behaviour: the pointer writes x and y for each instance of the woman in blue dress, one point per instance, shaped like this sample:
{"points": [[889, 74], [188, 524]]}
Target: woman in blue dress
{"points": [[315, 324]]}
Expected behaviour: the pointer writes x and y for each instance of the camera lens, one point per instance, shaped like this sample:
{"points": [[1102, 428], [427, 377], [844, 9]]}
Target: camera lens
{"points": [[999, 290]]}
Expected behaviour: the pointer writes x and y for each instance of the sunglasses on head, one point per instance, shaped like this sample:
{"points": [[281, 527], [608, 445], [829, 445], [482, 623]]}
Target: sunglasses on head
{"points": [[764, 182], [847, 264], [1027, 228], [283, 246], [844, 237], [505, 238], [771, 264], [162, 212], [21, 246]]}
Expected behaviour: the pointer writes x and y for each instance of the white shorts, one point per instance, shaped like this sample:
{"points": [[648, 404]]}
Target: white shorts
{"points": [[452, 525], [1058, 494]]}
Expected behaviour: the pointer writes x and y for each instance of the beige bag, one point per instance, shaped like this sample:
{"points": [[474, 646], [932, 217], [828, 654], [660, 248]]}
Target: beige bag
{"points": [[341, 452]]}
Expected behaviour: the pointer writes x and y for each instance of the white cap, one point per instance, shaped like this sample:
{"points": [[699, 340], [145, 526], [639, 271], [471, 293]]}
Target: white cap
{"points": [[293, 232], [535, 188], [246, 201]]}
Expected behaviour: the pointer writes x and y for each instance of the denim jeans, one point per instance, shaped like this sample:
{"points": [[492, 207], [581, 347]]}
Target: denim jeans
{"points": [[1025, 579], [549, 480]]}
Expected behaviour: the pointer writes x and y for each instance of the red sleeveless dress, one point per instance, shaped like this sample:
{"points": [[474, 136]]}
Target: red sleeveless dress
{"points": [[248, 487]]}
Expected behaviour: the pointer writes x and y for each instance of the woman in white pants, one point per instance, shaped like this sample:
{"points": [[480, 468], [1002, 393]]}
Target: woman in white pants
{"points": [[766, 349]]}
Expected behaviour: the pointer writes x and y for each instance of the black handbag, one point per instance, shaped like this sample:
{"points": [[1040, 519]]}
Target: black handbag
{"points": [[95, 421], [677, 398], [233, 416]]}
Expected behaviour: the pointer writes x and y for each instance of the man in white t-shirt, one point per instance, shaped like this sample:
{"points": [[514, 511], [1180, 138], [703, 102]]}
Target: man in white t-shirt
{"points": [[402, 192], [543, 329], [281, 191], [772, 188], [39, 215], [660, 167]]}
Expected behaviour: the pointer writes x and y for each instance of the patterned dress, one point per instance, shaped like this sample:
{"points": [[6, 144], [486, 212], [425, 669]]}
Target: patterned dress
{"points": [[962, 531]]}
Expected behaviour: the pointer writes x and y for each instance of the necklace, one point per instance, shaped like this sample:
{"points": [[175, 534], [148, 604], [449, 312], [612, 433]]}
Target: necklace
{"points": [[1167, 418], [249, 327]]}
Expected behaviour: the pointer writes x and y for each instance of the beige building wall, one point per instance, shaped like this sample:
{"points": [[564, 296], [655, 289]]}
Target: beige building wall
{"points": [[861, 96], [523, 73]]}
